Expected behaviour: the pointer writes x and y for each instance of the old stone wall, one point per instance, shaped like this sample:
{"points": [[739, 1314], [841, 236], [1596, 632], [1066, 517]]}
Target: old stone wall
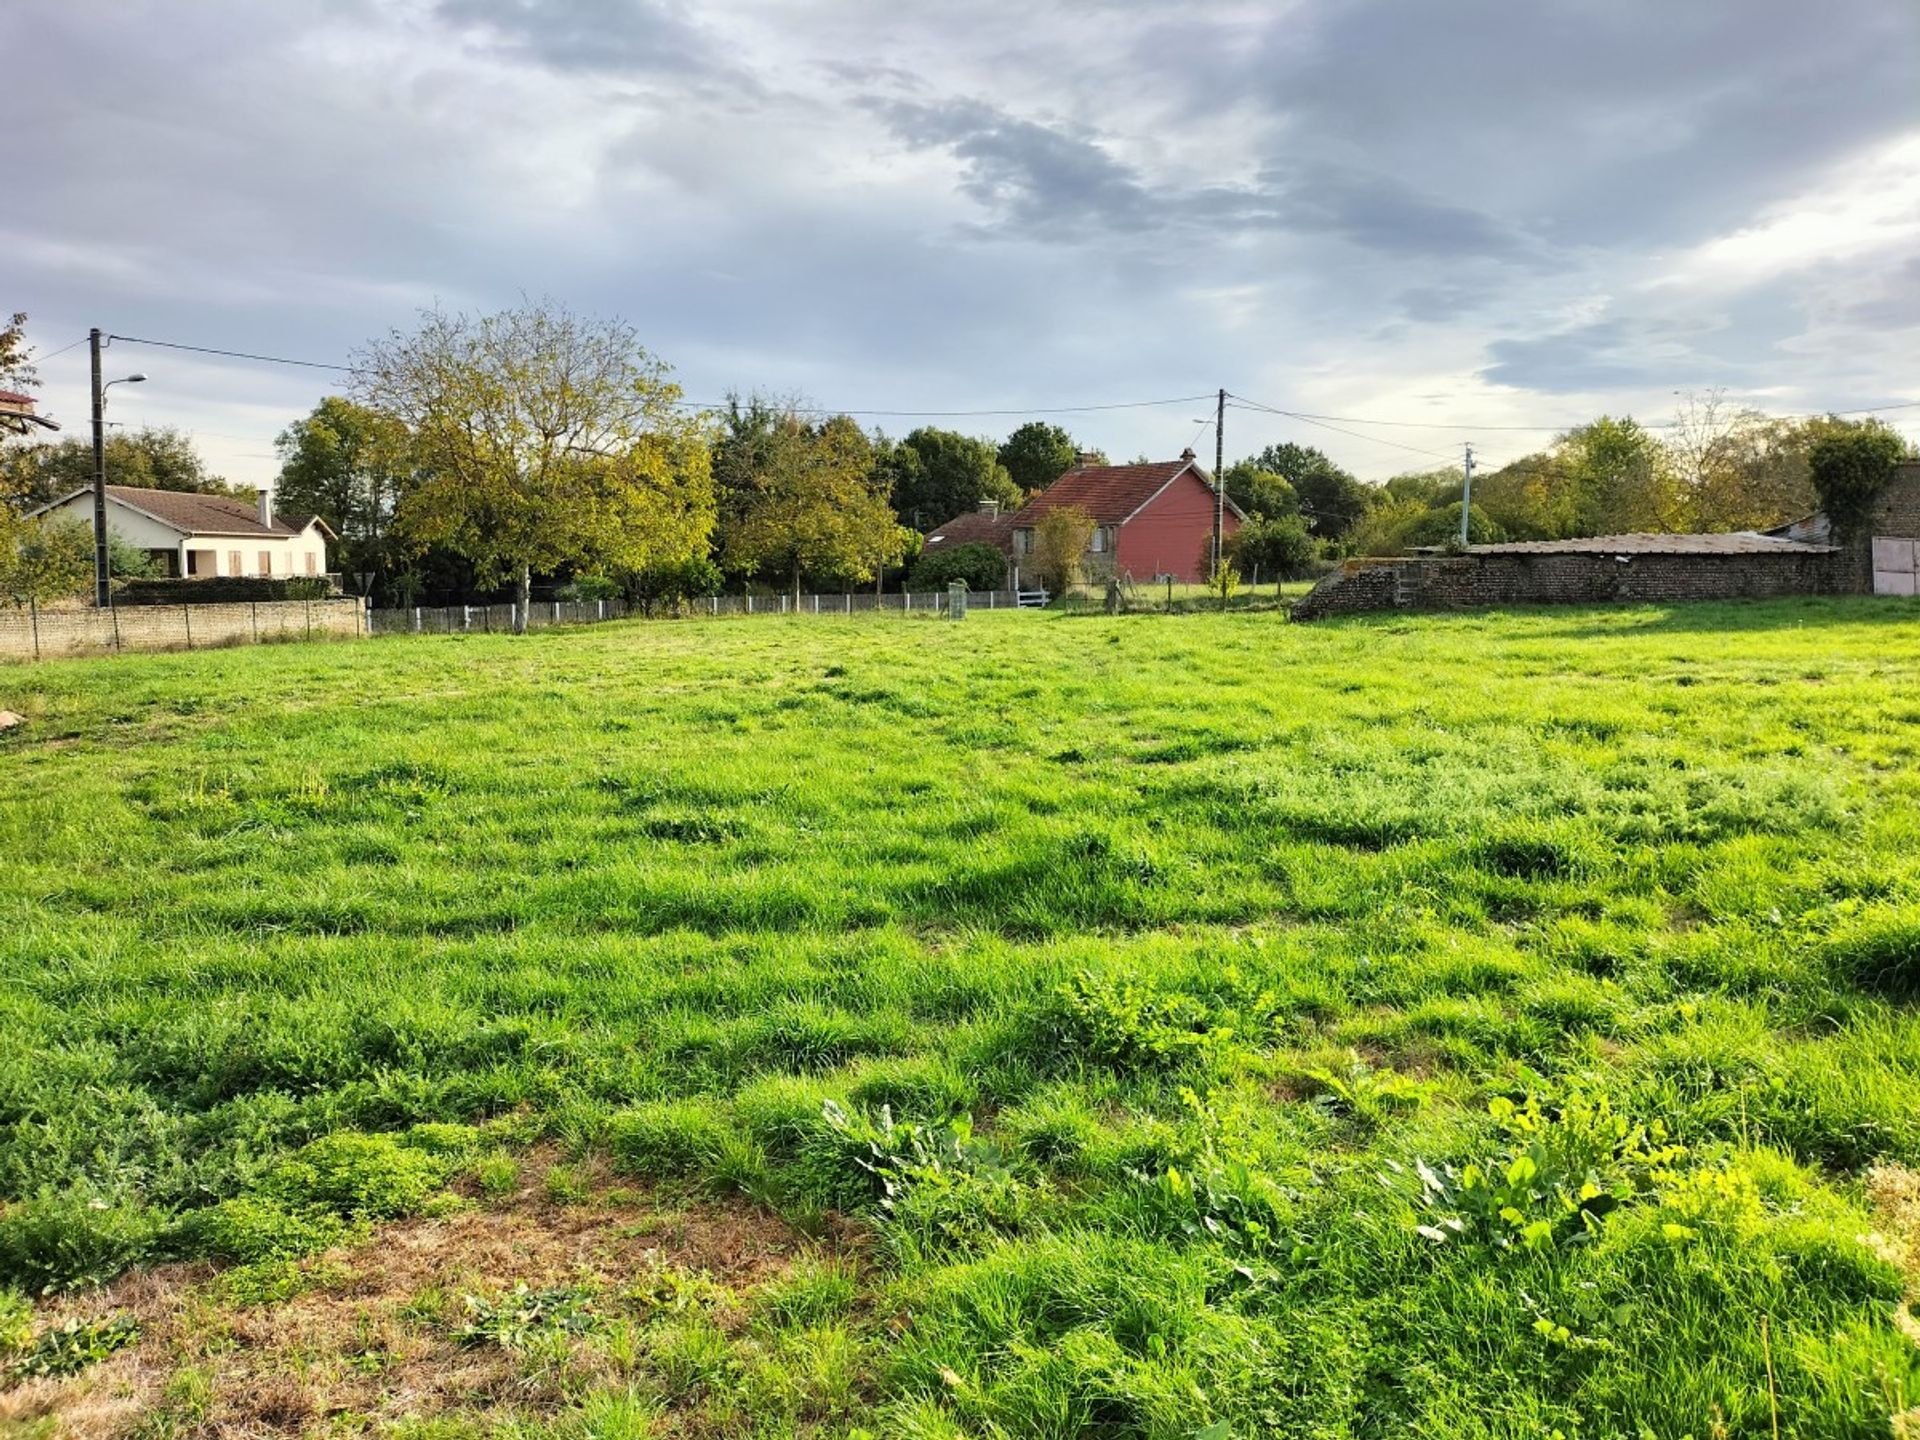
{"points": [[1896, 514], [1447, 582]]}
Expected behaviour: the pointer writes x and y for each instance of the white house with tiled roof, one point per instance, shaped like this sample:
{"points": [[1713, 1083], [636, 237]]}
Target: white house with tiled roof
{"points": [[199, 536]]}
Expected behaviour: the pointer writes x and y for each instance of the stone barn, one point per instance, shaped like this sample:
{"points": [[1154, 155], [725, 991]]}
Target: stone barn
{"points": [[1803, 558]]}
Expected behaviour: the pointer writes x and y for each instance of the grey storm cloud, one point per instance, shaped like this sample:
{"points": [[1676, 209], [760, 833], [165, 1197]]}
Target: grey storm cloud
{"points": [[612, 36], [1045, 181], [1327, 204]]}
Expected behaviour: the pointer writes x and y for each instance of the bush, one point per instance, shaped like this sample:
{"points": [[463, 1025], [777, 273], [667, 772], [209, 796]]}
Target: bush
{"points": [[1279, 548], [669, 586], [980, 565], [1850, 467]]}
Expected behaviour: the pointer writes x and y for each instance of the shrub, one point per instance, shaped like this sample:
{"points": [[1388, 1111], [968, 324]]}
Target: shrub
{"points": [[980, 565], [672, 584], [1849, 468]]}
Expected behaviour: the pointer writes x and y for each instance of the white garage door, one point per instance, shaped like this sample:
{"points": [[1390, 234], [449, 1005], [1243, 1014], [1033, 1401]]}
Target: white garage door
{"points": [[1894, 564]]}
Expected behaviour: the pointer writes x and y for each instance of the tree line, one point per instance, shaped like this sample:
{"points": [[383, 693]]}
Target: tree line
{"points": [[478, 453]]}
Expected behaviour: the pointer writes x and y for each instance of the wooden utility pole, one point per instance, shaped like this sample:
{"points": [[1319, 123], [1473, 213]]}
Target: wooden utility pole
{"points": [[1219, 479], [1466, 492], [102, 595]]}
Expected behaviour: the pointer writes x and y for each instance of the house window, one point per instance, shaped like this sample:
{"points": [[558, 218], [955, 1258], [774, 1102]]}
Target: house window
{"points": [[266, 562], [1099, 540], [233, 562], [201, 562], [313, 563], [1020, 539]]}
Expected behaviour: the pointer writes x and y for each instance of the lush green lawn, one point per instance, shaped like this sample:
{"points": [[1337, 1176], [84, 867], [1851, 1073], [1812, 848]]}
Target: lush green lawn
{"points": [[1441, 1026]]}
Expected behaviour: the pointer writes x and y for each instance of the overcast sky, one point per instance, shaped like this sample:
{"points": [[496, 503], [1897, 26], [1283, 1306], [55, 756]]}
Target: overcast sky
{"points": [[1476, 213]]}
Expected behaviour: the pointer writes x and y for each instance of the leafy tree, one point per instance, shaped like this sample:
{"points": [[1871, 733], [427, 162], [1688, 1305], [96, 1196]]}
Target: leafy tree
{"points": [[1260, 492], [1034, 456], [1441, 526], [348, 464], [44, 559], [1278, 546], [802, 502], [938, 474], [16, 357], [1531, 498], [541, 439], [151, 458], [1620, 478], [1430, 487], [1383, 530], [1736, 468], [1850, 465], [1060, 541], [980, 565], [1332, 499]]}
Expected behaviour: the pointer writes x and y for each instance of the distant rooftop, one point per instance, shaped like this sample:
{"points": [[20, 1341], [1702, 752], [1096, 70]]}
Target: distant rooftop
{"points": [[1740, 542]]}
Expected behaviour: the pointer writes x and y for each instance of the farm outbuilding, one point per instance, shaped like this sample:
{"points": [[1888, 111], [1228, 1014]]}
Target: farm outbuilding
{"points": [[1804, 558]]}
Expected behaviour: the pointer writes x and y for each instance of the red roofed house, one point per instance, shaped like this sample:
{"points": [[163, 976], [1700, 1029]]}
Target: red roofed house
{"points": [[17, 415], [1152, 520], [985, 526]]}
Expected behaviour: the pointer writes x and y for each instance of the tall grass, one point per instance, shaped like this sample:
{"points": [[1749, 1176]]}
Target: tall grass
{"points": [[1148, 963]]}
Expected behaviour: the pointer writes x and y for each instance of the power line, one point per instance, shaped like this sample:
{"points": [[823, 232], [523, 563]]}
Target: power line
{"points": [[233, 354], [42, 359], [1247, 404], [957, 414]]}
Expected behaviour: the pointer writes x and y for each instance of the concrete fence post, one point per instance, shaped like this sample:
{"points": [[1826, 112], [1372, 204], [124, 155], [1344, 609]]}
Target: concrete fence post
{"points": [[309, 605], [253, 614], [114, 611], [33, 612], [186, 612], [749, 602], [416, 619]]}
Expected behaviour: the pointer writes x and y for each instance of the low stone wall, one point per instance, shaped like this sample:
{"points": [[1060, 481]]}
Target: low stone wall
{"points": [[34, 634], [1446, 582]]}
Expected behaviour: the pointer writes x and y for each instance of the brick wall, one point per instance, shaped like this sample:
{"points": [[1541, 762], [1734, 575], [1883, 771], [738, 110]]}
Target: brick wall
{"points": [[1463, 581], [50, 634]]}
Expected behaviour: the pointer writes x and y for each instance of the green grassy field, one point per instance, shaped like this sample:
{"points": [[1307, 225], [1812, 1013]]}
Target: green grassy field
{"points": [[1193, 1026]]}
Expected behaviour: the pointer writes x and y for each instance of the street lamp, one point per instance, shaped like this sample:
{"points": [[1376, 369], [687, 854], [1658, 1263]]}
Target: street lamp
{"points": [[101, 594]]}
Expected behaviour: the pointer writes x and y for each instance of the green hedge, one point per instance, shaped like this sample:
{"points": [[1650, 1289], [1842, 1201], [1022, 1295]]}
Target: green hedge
{"points": [[224, 590]]}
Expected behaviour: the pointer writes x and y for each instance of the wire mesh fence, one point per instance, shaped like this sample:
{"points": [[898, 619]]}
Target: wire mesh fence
{"points": [[543, 614]]}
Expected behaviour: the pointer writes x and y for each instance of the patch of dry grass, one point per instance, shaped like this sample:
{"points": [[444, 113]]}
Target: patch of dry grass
{"points": [[371, 1342]]}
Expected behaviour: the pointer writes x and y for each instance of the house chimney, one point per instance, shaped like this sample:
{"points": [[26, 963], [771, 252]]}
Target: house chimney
{"points": [[989, 507], [266, 508], [1084, 458], [1187, 454]]}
